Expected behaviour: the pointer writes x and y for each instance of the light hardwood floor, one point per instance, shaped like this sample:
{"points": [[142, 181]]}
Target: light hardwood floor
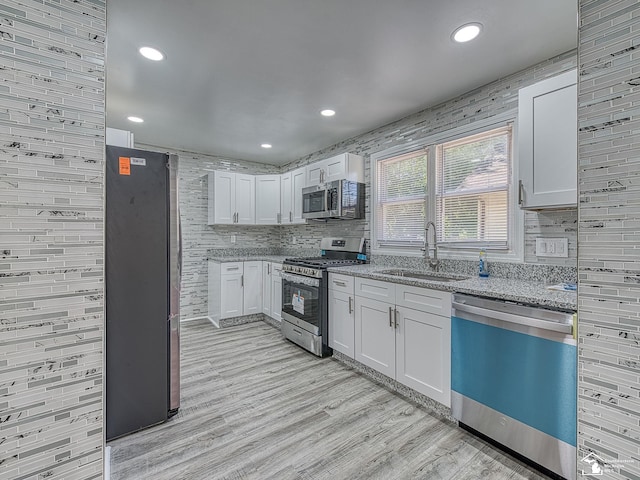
{"points": [[257, 407]]}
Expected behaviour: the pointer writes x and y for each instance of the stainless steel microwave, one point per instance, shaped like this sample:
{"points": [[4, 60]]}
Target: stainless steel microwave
{"points": [[339, 199]]}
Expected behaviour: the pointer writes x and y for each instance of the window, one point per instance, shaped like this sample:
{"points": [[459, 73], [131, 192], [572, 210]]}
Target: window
{"points": [[472, 189], [401, 199], [463, 185]]}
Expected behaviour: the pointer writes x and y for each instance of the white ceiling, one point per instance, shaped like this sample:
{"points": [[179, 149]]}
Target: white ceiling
{"points": [[239, 73]]}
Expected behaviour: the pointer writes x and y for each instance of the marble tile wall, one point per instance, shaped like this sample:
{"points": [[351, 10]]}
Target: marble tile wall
{"points": [[51, 235], [484, 102], [197, 236], [609, 222]]}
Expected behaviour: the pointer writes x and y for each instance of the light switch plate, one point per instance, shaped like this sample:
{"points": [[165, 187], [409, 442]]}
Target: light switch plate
{"points": [[233, 239], [552, 247]]}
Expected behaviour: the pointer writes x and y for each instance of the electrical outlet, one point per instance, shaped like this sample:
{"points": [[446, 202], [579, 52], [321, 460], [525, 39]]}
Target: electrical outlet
{"points": [[294, 240], [552, 247], [233, 239]]}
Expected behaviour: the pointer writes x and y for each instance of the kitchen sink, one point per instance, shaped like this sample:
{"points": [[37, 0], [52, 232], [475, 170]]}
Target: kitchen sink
{"points": [[421, 275]]}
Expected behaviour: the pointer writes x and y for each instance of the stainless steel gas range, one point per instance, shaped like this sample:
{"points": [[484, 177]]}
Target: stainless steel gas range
{"points": [[305, 292]]}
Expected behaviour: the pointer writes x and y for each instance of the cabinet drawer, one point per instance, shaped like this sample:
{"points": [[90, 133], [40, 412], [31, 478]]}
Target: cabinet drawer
{"points": [[424, 300], [376, 290], [341, 283], [231, 268]]}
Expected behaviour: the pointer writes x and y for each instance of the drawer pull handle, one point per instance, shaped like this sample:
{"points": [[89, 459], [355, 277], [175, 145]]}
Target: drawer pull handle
{"points": [[340, 284]]}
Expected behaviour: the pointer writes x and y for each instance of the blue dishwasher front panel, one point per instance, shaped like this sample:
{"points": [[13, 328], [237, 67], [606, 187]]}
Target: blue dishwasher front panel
{"points": [[525, 377]]}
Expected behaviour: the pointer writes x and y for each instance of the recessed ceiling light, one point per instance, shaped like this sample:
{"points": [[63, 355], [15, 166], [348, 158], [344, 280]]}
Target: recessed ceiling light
{"points": [[151, 53], [328, 113], [135, 119], [466, 32], [266, 145]]}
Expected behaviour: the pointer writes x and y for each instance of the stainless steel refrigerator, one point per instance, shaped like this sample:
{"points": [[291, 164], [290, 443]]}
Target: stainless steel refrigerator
{"points": [[142, 276]]}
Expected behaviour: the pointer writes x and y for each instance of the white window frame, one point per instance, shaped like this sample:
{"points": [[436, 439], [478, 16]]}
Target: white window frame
{"points": [[515, 252]]}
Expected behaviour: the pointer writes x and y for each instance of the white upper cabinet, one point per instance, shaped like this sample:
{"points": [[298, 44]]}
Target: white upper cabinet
{"points": [[245, 199], [292, 184], [267, 199], [344, 166], [547, 143], [232, 198]]}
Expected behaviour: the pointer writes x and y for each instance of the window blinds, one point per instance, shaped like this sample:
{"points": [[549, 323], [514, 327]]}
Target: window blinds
{"points": [[472, 189], [401, 199]]}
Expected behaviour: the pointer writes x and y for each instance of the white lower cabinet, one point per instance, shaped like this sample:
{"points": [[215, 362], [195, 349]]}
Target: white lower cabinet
{"points": [[342, 314], [272, 290], [410, 345], [375, 337], [235, 289], [252, 288], [423, 353], [276, 291]]}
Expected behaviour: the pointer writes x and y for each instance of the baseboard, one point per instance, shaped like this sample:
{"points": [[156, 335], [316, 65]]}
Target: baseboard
{"points": [[193, 319]]}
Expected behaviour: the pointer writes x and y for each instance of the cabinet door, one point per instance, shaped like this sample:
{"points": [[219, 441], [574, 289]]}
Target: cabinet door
{"points": [[423, 353], [375, 336], [252, 287], [314, 172], [245, 199], [214, 291], [276, 291], [231, 304], [222, 193], [286, 198], [266, 288], [298, 181], [267, 199], [547, 140], [335, 168], [341, 322]]}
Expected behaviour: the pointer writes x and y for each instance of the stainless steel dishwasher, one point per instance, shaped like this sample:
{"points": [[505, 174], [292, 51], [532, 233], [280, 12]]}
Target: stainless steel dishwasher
{"points": [[513, 378]]}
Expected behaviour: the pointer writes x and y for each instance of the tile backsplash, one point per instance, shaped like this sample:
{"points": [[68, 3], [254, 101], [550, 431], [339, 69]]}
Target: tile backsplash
{"points": [[609, 220], [51, 229]]}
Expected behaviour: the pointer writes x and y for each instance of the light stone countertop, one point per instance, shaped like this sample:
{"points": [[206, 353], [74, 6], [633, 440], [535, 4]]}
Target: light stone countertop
{"points": [[250, 258], [533, 293]]}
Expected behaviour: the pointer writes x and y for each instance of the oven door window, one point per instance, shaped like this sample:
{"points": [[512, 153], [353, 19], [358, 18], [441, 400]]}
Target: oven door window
{"points": [[313, 202], [301, 301]]}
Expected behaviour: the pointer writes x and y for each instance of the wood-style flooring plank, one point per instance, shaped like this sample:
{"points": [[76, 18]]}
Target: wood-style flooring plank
{"points": [[254, 406]]}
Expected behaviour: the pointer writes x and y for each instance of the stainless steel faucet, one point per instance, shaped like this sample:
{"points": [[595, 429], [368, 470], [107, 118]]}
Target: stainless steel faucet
{"points": [[433, 261]]}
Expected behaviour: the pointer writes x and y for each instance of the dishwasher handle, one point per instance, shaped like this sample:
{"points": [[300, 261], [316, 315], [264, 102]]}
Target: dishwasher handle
{"points": [[566, 329]]}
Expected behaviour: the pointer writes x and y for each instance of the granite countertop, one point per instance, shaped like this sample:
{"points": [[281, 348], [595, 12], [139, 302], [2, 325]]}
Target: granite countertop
{"points": [[249, 258], [534, 293]]}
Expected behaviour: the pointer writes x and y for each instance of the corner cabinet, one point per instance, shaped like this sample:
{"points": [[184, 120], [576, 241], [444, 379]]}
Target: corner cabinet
{"points": [[404, 332], [344, 166], [232, 198], [547, 143]]}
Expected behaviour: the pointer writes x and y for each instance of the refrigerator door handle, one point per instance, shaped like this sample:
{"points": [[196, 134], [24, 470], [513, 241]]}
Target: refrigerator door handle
{"points": [[175, 273]]}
